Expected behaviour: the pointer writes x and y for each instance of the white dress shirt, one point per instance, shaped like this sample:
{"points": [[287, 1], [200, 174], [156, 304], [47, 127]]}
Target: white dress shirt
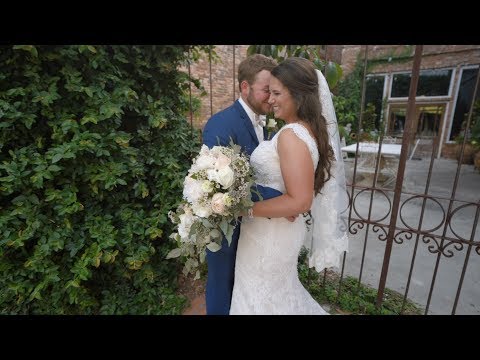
{"points": [[256, 119]]}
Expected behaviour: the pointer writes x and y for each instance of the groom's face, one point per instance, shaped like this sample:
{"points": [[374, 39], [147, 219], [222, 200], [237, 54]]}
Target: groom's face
{"points": [[259, 93]]}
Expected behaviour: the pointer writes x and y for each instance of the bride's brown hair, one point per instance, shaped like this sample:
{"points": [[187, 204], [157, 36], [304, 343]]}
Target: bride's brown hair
{"points": [[298, 75]]}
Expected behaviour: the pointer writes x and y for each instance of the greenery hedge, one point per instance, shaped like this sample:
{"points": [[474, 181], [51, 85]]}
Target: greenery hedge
{"points": [[94, 148]]}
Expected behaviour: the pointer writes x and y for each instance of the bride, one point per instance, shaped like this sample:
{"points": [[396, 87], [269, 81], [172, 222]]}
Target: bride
{"points": [[304, 162]]}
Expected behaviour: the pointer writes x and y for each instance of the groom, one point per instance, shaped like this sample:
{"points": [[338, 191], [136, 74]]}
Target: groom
{"points": [[242, 123]]}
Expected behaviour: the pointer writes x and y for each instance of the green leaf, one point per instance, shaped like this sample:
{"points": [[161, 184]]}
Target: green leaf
{"points": [[87, 119], [252, 49], [54, 168], [207, 224], [213, 247], [202, 257], [229, 234], [88, 91], [174, 253], [215, 234], [30, 48], [56, 158], [197, 275], [224, 226], [332, 74]]}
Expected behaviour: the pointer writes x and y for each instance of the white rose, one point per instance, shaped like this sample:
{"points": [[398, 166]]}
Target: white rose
{"points": [[212, 175], [222, 161], [192, 190], [202, 211], [207, 186], [204, 162], [225, 177], [218, 204], [271, 123]]}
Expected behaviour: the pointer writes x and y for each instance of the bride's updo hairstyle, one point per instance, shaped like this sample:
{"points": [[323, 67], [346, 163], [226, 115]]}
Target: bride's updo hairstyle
{"points": [[298, 75]]}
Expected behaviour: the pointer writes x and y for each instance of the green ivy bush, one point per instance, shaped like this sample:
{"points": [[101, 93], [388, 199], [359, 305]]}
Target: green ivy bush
{"points": [[347, 100], [94, 146]]}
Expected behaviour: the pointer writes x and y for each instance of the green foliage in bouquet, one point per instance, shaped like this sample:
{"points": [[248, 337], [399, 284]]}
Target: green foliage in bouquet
{"points": [[94, 148]]}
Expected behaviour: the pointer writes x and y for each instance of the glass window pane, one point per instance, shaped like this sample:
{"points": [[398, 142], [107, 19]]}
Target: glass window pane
{"points": [[401, 85], [429, 118], [464, 100], [430, 83], [397, 121], [374, 95]]}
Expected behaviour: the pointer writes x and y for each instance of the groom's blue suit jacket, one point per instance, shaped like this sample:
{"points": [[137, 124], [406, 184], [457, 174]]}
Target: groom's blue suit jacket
{"points": [[233, 124]]}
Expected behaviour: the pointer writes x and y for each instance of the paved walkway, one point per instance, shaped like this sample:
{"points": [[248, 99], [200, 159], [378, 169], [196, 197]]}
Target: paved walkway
{"points": [[445, 283]]}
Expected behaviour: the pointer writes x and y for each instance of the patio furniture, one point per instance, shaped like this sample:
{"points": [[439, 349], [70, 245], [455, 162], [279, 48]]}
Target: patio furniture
{"points": [[367, 152]]}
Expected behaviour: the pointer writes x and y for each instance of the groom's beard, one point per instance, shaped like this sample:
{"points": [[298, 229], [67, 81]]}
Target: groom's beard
{"points": [[260, 108]]}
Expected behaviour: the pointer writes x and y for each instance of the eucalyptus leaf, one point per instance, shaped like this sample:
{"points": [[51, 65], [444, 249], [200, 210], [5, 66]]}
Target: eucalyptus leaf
{"points": [[224, 226], [207, 224], [197, 275], [229, 234], [214, 233], [202, 257], [213, 247], [174, 253]]}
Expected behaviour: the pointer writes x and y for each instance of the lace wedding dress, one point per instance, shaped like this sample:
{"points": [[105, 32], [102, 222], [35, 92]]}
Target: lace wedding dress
{"points": [[266, 277]]}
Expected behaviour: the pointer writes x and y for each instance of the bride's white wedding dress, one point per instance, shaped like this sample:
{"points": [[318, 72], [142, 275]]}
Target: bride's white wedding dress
{"points": [[266, 277]]}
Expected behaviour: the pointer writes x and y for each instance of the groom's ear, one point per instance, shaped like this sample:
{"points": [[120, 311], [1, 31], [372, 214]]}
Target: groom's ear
{"points": [[244, 87]]}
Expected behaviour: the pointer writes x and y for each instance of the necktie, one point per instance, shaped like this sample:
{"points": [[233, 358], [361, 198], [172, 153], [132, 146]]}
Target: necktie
{"points": [[259, 120], [256, 119]]}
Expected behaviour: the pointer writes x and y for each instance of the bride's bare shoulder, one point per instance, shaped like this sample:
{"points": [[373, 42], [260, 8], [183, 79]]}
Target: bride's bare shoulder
{"points": [[290, 139]]}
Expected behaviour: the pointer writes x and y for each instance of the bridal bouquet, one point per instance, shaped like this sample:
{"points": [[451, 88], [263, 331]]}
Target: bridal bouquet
{"points": [[216, 192]]}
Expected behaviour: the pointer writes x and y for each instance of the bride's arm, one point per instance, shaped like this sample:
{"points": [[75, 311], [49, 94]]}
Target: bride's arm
{"points": [[298, 174]]}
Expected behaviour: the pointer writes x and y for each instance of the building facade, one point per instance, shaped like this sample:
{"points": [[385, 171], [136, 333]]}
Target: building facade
{"points": [[445, 89], [447, 79]]}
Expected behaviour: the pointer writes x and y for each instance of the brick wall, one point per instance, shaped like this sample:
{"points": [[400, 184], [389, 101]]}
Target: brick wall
{"points": [[348, 59], [220, 93], [224, 76], [433, 56]]}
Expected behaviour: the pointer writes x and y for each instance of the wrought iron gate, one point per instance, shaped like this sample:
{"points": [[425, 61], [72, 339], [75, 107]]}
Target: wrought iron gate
{"points": [[394, 226]]}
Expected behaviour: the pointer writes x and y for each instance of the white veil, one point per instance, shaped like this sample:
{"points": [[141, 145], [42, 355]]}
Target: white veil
{"points": [[327, 237]]}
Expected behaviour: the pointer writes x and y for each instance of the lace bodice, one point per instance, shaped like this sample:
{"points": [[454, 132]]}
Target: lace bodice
{"points": [[266, 162]]}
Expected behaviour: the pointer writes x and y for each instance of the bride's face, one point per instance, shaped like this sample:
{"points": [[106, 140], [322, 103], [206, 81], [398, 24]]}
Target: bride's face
{"points": [[282, 102]]}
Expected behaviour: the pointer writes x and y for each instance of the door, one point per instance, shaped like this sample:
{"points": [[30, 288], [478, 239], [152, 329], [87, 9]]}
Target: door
{"points": [[428, 120]]}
